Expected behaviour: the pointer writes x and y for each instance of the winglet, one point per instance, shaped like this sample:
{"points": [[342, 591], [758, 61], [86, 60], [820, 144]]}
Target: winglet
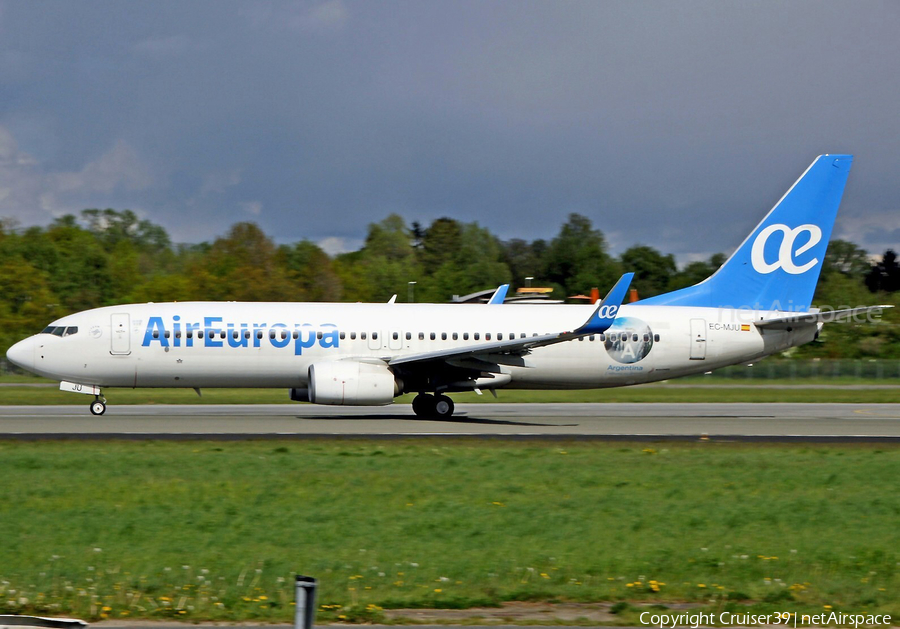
{"points": [[499, 294], [608, 308]]}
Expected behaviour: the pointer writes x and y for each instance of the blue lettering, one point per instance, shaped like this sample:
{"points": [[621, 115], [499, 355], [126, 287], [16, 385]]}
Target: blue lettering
{"points": [[300, 343], [213, 333], [281, 337], [330, 337], [241, 340], [209, 331], [258, 329], [156, 331], [189, 329]]}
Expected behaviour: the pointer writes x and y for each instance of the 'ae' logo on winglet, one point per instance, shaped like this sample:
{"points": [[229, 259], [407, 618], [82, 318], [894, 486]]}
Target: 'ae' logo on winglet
{"points": [[786, 252]]}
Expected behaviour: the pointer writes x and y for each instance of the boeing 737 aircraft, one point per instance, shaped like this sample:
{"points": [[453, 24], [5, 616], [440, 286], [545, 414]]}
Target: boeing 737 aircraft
{"points": [[756, 304]]}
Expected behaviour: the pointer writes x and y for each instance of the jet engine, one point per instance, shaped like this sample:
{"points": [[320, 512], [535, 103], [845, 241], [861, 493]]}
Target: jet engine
{"points": [[352, 383]]}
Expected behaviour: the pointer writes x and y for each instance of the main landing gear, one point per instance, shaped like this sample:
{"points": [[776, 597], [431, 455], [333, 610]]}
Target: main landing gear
{"points": [[433, 406], [98, 406]]}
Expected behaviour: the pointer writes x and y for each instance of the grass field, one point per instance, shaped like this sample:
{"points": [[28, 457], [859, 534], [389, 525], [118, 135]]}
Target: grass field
{"points": [[214, 531], [21, 390], [29, 395]]}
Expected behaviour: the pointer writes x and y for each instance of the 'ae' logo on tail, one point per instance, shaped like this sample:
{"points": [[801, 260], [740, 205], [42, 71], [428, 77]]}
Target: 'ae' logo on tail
{"points": [[786, 252]]}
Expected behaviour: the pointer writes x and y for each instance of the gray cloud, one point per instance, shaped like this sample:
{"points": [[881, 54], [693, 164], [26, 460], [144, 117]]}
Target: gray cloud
{"points": [[670, 124]]}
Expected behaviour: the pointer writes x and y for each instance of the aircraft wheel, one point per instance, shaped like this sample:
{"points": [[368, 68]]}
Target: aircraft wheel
{"points": [[98, 407], [443, 406], [423, 405]]}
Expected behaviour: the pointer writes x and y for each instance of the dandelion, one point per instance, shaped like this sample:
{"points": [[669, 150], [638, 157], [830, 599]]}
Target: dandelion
{"points": [[437, 590], [701, 585]]}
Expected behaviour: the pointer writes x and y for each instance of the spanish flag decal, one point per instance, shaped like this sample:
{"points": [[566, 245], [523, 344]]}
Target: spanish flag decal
{"points": [[745, 327]]}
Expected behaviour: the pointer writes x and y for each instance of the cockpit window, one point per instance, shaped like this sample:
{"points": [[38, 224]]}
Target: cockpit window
{"points": [[60, 330]]}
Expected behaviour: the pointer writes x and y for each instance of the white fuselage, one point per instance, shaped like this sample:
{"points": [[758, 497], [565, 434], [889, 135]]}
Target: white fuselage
{"points": [[231, 344]]}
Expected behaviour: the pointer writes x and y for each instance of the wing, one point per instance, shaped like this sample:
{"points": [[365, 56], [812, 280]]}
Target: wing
{"points": [[487, 356]]}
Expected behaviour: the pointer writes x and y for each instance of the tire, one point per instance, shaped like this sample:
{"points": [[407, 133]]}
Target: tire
{"points": [[423, 405], [443, 407], [98, 408]]}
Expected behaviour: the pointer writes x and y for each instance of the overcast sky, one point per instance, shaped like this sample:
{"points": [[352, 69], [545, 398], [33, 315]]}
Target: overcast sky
{"points": [[673, 124]]}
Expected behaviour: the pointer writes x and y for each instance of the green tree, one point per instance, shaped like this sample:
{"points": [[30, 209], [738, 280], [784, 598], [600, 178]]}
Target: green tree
{"points": [[653, 271], [311, 270], [577, 258]]}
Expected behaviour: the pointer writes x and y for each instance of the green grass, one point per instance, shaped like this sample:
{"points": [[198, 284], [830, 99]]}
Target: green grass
{"points": [[214, 531], [15, 395]]}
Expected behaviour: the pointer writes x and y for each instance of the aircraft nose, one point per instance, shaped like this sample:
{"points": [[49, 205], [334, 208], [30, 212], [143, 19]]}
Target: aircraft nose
{"points": [[22, 354]]}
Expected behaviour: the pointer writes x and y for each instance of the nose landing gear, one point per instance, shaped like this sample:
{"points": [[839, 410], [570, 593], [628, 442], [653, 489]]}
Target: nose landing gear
{"points": [[98, 406], [433, 406]]}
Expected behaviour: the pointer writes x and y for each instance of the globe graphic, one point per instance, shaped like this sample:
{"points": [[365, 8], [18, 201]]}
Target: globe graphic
{"points": [[628, 340]]}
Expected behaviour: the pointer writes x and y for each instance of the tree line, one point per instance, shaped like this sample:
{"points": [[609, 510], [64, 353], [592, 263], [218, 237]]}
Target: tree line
{"points": [[106, 257]]}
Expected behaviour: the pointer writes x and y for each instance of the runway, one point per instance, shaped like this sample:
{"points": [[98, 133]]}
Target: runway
{"points": [[760, 422]]}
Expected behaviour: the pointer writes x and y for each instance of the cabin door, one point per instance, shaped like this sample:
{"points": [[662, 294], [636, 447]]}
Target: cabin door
{"points": [[120, 331]]}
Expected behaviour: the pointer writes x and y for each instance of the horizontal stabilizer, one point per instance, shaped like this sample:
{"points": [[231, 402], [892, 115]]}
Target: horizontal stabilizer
{"points": [[810, 318]]}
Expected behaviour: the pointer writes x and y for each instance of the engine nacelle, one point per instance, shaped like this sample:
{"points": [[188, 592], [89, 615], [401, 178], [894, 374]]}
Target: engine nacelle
{"points": [[351, 383]]}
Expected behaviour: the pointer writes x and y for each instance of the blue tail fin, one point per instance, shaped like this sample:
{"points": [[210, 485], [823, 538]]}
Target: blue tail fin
{"points": [[778, 265]]}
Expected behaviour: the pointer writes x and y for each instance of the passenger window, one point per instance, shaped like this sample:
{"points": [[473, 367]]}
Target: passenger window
{"points": [[362, 336], [296, 334], [465, 336], [443, 336], [395, 336], [319, 335], [580, 338], [189, 334], [432, 336], [246, 334], [421, 336], [500, 336], [235, 335], [634, 337], [523, 335], [455, 336], [478, 336], [591, 337], [602, 338], [646, 338], [200, 334], [259, 334], [487, 336], [284, 335], [353, 336], [409, 336], [156, 334], [656, 337], [342, 335], [374, 336]]}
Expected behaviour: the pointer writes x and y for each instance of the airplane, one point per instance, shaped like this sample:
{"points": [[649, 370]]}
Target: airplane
{"points": [[361, 354]]}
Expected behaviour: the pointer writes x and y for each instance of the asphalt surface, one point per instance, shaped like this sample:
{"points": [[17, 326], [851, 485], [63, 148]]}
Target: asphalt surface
{"points": [[777, 422]]}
